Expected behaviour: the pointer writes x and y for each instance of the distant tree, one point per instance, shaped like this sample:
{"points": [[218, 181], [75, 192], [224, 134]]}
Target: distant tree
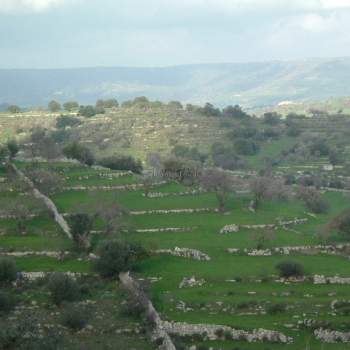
{"points": [[220, 182], [182, 170], [81, 226], [188, 153], [235, 112], [341, 223], [54, 106], [14, 109], [271, 118], [141, 101], [175, 105], [209, 110], [110, 103], [268, 188], [88, 111], [313, 200], [13, 148], [226, 157], [65, 120], [21, 213], [118, 256], [112, 215], [4, 154], [80, 153], [70, 106]]}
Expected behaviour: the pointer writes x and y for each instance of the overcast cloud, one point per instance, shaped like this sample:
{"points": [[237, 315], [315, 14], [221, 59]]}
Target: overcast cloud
{"points": [[74, 33]]}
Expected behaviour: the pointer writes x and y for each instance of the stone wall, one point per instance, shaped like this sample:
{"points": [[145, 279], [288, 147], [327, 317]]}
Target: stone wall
{"points": [[159, 331], [48, 202], [212, 332], [185, 253]]}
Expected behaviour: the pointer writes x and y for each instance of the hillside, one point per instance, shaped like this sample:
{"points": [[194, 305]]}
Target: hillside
{"points": [[249, 84]]}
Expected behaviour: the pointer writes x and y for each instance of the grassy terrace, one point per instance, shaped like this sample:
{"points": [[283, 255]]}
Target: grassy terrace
{"points": [[242, 304]]}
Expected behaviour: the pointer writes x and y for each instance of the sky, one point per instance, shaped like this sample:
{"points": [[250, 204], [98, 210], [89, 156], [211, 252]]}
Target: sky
{"points": [[89, 33]]}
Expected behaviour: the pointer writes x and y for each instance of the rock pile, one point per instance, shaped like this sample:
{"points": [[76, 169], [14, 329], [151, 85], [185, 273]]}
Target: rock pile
{"points": [[185, 253], [214, 332], [174, 211], [189, 282], [165, 229], [330, 336], [320, 279]]}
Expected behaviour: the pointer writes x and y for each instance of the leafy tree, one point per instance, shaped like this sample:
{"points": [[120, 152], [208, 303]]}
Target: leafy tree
{"points": [[79, 152], [54, 106], [235, 112], [118, 256], [70, 106], [81, 226], [209, 110], [14, 109], [341, 223], [175, 105], [8, 271], [289, 269], [13, 148], [88, 111]]}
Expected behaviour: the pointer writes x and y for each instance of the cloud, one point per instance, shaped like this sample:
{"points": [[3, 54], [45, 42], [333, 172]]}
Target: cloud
{"points": [[20, 6]]}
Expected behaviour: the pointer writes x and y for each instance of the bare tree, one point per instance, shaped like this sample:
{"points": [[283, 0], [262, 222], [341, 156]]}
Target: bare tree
{"points": [[268, 188], [46, 181], [220, 182]]}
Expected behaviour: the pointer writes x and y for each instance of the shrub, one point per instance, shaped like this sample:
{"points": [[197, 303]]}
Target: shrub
{"points": [[246, 147], [275, 309], [290, 269], [117, 256], [63, 288], [79, 152], [7, 302], [74, 318], [8, 270]]}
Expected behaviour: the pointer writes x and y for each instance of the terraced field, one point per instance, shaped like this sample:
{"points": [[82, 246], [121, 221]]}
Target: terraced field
{"points": [[239, 288]]}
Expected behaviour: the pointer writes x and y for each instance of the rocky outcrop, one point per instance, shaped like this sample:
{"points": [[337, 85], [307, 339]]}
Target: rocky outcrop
{"points": [[215, 332], [185, 253]]}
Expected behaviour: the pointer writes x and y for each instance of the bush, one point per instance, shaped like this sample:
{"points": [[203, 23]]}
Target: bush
{"points": [[7, 302], [74, 318], [117, 256], [88, 111], [288, 269], [275, 309], [126, 163], [8, 270], [63, 288], [80, 153]]}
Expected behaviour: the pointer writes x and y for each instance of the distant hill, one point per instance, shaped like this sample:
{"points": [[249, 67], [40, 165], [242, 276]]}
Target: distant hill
{"points": [[252, 85]]}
